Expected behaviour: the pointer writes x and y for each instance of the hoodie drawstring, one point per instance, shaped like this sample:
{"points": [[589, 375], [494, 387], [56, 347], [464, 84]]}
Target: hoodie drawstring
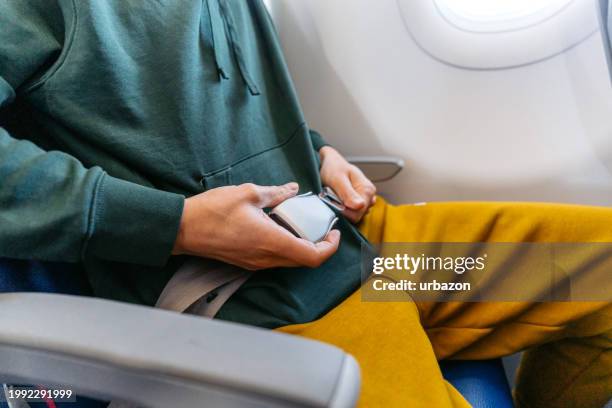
{"points": [[220, 15], [216, 27]]}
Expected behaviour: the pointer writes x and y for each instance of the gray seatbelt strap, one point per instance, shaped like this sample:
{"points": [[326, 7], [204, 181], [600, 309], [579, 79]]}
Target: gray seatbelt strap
{"points": [[201, 287], [210, 304]]}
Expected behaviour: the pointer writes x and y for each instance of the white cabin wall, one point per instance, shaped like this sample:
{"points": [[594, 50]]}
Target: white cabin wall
{"points": [[541, 132]]}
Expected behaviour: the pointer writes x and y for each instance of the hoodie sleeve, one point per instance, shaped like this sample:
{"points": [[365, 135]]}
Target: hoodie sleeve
{"points": [[52, 207], [317, 140]]}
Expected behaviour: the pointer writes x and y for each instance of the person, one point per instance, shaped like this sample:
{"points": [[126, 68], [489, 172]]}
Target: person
{"points": [[136, 134]]}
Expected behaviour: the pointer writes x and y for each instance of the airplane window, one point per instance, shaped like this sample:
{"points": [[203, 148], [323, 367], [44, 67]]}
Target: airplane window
{"points": [[497, 34], [498, 15]]}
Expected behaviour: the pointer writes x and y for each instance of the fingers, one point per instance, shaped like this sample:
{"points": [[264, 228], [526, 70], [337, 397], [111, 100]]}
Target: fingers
{"points": [[270, 196], [354, 215], [329, 245], [321, 251], [350, 197], [362, 185], [280, 248], [301, 252]]}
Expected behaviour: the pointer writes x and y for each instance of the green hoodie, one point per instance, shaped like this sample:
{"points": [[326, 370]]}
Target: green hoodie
{"points": [[113, 111]]}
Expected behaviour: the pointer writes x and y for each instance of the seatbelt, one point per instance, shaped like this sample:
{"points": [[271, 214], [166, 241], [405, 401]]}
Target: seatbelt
{"points": [[201, 287]]}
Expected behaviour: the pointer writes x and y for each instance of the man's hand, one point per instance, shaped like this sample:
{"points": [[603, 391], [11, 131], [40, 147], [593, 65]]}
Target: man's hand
{"points": [[356, 191], [228, 224]]}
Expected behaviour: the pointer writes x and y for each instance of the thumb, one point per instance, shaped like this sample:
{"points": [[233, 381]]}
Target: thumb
{"points": [[349, 196], [271, 196]]}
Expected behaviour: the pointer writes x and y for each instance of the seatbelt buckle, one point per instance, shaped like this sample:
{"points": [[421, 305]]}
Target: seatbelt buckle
{"points": [[329, 197]]}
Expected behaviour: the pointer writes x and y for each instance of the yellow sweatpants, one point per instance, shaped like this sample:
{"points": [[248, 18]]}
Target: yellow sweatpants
{"points": [[568, 362]]}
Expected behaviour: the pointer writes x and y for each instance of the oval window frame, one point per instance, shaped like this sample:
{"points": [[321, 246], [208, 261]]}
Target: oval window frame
{"points": [[445, 42]]}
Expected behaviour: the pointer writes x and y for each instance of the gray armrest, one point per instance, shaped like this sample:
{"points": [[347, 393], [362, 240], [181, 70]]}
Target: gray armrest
{"points": [[157, 358], [378, 168]]}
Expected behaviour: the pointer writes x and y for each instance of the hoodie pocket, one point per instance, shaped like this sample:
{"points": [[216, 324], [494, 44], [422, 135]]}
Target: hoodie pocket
{"points": [[217, 179], [294, 160]]}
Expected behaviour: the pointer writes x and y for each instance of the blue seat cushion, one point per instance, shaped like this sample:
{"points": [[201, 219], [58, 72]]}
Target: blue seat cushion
{"points": [[482, 382], [33, 276]]}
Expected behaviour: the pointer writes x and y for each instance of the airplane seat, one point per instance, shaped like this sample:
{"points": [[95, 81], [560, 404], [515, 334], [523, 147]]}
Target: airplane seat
{"points": [[100, 353], [18, 275], [482, 383]]}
